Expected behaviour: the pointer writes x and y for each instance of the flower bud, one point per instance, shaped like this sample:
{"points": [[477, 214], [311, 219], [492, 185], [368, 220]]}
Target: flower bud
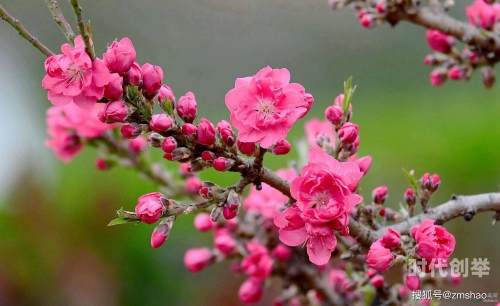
{"points": [[186, 107], [377, 281], [188, 130], [181, 154], [410, 197], [412, 282], [389, 214], [169, 144], [364, 164], [282, 147], [131, 130], [488, 75], [120, 56], [382, 7], [250, 291], [206, 132], [185, 171], [193, 185], [155, 140], [115, 111], [391, 238], [134, 75], [165, 94], [438, 76], [222, 164], [152, 77], [435, 181], [425, 181], [457, 73], [114, 89], [247, 148], [203, 223], [101, 164], [225, 244], [469, 55], [229, 213], [150, 207], [282, 252], [430, 60], [348, 132], [161, 232], [137, 145], [379, 195], [196, 260], [439, 41], [160, 122], [339, 101], [334, 114], [208, 156], [371, 273], [225, 132], [368, 20]]}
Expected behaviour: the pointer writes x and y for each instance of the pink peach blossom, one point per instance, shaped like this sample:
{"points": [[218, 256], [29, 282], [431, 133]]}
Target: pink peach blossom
{"points": [[433, 241], [264, 107], [482, 13], [379, 257], [149, 207], [315, 127], [120, 55], [439, 41], [196, 260], [258, 264], [74, 77], [250, 291]]}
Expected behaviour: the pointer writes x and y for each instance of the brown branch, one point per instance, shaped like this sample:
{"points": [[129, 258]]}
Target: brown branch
{"points": [[59, 19], [81, 29], [24, 33], [452, 209]]}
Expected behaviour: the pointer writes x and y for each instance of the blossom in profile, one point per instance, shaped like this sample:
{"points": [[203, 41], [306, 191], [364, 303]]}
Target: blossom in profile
{"points": [[74, 77], [265, 106], [483, 14], [379, 257], [120, 56], [315, 128], [439, 41], [434, 242]]}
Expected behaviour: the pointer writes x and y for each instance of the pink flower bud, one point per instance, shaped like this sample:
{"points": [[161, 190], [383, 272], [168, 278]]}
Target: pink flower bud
{"points": [[377, 281], [438, 76], [196, 260], [334, 114], [430, 60], [225, 244], [410, 197], [250, 291], [188, 129], [165, 93], [134, 75], [203, 223], [225, 132], [208, 156], [193, 185], [435, 181], [186, 107], [364, 164], [137, 145], [115, 111], [469, 55], [181, 155], [488, 75], [379, 195], [229, 212], [483, 13], [368, 21], [308, 101], [185, 171], [131, 130], [161, 233], [379, 257], [222, 164], [371, 273], [149, 207], [391, 238], [155, 140], [152, 77], [120, 56], [101, 164], [282, 252], [169, 144], [412, 282], [382, 7], [206, 132], [403, 292], [114, 89], [348, 132], [425, 181], [440, 42], [247, 148], [160, 122], [282, 147], [457, 73]]}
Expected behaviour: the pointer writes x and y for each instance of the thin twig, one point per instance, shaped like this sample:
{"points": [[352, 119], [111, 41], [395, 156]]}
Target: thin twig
{"points": [[24, 33], [81, 29], [61, 21]]}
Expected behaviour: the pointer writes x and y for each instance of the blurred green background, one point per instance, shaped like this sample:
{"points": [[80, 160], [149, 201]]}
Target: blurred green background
{"points": [[55, 247]]}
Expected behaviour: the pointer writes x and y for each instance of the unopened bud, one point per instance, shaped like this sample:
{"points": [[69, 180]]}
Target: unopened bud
{"points": [[412, 281], [161, 233], [435, 181], [152, 77], [134, 75], [334, 114], [379, 195], [114, 89], [438, 76], [410, 197], [282, 147], [137, 145], [169, 144], [488, 75], [117, 111], [198, 165], [368, 21], [189, 130], [223, 164], [439, 41], [160, 122], [208, 156], [155, 140], [131, 130], [457, 73], [206, 132], [216, 212], [377, 281], [431, 60], [469, 55], [247, 148], [225, 244], [348, 132], [196, 260], [382, 7], [102, 164], [225, 132], [182, 154], [165, 95], [203, 223], [193, 185], [186, 107]]}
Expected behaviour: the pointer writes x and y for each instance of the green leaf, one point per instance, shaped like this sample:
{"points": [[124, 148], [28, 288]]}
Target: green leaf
{"points": [[168, 108], [411, 179], [121, 220], [348, 93]]}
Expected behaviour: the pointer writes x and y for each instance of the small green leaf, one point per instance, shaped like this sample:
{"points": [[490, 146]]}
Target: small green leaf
{"points": [[121, 220], [411, 179], [168, 108], [348, 93]]}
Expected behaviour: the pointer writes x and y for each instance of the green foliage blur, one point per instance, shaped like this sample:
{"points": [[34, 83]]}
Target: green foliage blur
{"points": [[55, 247]]}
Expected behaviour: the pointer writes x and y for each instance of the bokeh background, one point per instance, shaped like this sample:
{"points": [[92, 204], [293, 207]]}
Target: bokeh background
{"points": [[55, 247]]}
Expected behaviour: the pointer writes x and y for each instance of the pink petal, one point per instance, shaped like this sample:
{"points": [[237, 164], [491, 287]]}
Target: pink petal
{"points": [[84, 101]]}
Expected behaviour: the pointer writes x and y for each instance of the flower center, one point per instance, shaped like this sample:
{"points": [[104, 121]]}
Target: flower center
{"points": [[74, 74], [321, 199], [267, 107]]}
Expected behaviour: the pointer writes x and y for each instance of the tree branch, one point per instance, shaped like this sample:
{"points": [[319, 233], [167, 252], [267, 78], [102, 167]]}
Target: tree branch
{"points": [[58, 18], [24, 33], [81, 29]]}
